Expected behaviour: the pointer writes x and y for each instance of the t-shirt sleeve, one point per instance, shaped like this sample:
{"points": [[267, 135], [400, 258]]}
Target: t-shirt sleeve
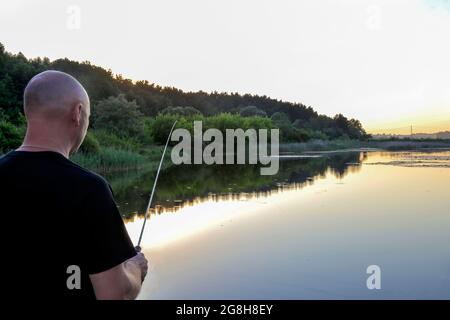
{"points": [[108, 243]]}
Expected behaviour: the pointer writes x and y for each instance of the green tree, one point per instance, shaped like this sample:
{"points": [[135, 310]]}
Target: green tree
{"points": [[151, 99], [252, 111], [182, 111], [118, 115]]}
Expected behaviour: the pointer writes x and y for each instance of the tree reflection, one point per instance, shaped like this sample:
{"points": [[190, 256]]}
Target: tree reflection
{"points": [[187, 184]]}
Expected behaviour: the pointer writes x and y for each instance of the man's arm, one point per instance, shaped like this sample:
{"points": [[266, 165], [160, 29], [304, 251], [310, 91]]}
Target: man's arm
{"points": [[122, 282]]}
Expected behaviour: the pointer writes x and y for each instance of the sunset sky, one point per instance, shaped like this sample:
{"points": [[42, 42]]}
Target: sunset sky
{"points": [[383, 62]]}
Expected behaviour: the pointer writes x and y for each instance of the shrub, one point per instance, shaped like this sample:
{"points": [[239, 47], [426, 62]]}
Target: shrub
{"points": [[160, 126], [118, 115], [90, 144], [10, 136], [110, 139]]}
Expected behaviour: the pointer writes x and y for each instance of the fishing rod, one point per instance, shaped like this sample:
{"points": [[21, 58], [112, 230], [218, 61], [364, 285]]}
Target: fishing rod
{"points": [[138, 247]]}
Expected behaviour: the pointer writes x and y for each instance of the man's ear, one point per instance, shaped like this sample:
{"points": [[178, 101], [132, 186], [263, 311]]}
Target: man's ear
{"points": [[77, 114]]}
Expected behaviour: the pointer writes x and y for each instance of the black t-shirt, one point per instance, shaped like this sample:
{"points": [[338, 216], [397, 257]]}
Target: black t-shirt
{"points": [[59, 215]]}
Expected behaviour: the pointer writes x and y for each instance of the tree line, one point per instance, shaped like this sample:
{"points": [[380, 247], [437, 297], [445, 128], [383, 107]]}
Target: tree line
{"points": [[128, 114]]}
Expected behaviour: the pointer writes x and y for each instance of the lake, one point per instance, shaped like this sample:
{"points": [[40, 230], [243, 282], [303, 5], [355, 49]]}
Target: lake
{"points": [[309, 232]]}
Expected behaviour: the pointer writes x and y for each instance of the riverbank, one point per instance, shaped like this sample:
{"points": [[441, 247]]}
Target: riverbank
{"points": [[391, 145], [114, 159]]}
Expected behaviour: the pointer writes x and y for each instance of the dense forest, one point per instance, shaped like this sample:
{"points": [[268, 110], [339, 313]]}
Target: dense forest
{"points": [[129, 115]]}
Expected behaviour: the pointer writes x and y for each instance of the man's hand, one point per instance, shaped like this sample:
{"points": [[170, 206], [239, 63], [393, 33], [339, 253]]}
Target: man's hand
{"points": [[141, 262], [123, 281]]}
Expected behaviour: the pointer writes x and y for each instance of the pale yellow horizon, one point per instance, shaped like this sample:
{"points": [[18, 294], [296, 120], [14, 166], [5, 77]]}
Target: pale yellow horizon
{"points": [[419, 124]]}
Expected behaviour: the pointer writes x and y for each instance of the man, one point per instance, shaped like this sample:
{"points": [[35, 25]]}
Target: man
{"points": [[70, 240]]}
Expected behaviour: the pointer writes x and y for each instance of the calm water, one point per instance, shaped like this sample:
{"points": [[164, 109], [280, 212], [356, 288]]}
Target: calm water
{"points": [[309, 232]]}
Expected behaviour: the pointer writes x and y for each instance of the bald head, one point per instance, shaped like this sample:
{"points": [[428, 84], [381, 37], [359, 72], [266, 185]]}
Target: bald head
{"points": [[57, 110], [52, 94]]}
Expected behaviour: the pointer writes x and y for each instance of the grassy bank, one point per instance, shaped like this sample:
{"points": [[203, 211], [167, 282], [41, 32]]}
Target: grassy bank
{"points": [[110, 159]]}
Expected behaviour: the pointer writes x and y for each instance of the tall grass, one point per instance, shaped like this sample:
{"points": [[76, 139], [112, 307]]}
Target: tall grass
{"points": [[110, 159]]}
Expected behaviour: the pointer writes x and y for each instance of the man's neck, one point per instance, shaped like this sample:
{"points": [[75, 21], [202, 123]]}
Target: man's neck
{"points": [[34, 145], [35, 148], [40, 138]]}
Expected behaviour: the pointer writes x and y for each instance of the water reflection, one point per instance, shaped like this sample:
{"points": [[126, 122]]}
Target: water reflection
{"points": [[188, 185], [430, 159], [225, 232]]}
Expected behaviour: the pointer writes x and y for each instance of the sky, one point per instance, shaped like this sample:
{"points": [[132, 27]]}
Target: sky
{"points": [[384, 62]]}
